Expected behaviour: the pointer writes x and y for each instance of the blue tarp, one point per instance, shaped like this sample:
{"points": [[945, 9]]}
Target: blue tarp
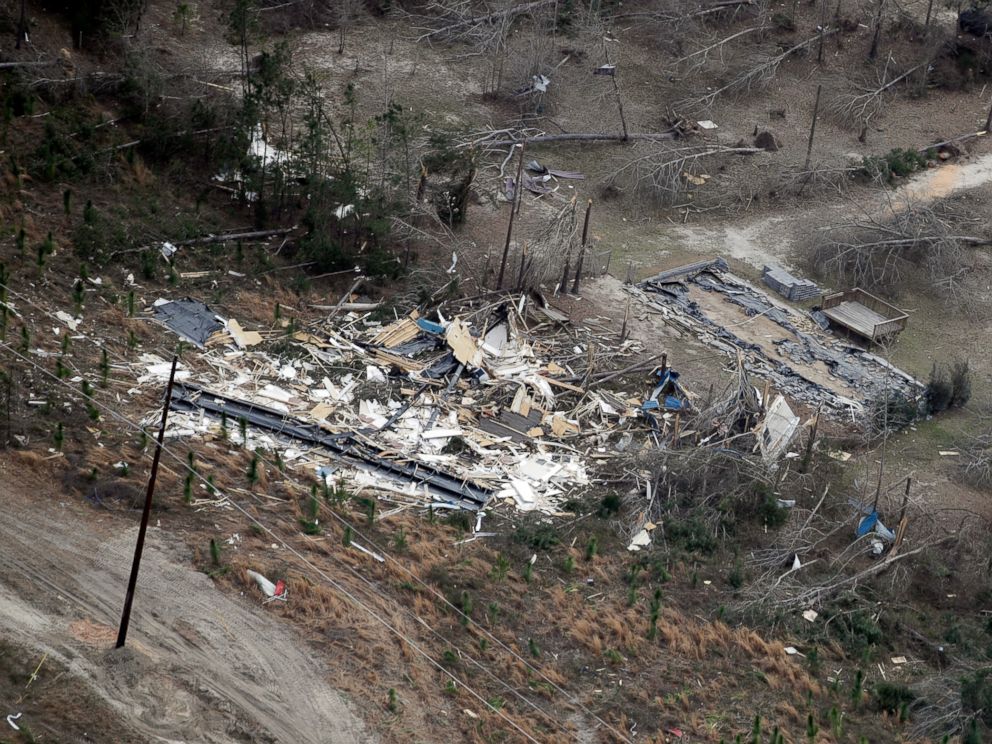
{"points": [[867, 524], [667, 394], [430, 326]]}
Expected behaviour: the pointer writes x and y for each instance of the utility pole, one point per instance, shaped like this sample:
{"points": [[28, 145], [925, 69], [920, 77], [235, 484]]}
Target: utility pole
{"points": [[139, 546], [582, 248], [514, 206]]}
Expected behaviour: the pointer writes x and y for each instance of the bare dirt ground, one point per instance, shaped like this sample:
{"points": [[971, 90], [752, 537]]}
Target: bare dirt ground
{"points": [[199, 665]]}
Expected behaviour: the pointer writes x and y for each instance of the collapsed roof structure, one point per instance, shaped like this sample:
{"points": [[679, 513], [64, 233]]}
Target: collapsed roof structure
{"points": [[500, 400]]}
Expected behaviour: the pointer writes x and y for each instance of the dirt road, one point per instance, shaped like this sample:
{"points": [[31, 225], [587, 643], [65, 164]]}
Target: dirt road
{"points": [[199, 666], [775, 239]]}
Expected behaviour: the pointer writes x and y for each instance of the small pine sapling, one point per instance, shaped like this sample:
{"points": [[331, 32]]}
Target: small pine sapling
{"points": [[592, 548], [500, 568], [253, 469], [77, 295]]}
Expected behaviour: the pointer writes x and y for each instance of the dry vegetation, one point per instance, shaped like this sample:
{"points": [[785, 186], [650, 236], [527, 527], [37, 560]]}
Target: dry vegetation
{"points": [[410, 112]]}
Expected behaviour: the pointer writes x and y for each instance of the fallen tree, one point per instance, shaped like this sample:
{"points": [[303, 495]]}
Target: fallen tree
{"points": [[504, 137], [759, 75], [880, 251], [665, 173], [462, 26], [857, 110]]}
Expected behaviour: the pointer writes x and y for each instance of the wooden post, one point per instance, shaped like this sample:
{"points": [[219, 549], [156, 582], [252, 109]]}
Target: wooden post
{"points": [[523, 263], [517, 188], [819, 51], [582, 249], [623, 329], [812, 127], [563, 285], [812, 441], [926, 25], [146, 513], [905, 498], [988, 119]]}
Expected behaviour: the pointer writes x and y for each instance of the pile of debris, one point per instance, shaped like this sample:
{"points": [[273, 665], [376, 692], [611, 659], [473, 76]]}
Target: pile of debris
{"points": [[778, 343], [457, 410], [481, 402], [790, 287]]}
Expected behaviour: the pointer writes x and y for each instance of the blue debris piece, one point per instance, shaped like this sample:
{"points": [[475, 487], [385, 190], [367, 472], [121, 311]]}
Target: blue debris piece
{"points": [[430, 326], [671, 394], [867, 524]]}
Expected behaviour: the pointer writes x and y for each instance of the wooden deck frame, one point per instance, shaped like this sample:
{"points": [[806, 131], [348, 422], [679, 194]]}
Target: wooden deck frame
{"points": [[864, 314]]}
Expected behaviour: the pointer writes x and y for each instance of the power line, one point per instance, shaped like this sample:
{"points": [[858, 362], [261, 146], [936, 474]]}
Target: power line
{"points": [[355, 600]]}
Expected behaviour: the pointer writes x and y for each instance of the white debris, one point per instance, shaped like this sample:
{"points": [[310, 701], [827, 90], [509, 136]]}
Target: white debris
{"points": [[641, 540], [71, 322], [267, 587]]}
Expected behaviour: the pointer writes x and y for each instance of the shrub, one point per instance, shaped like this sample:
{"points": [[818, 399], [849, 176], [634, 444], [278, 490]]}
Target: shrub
{"points": [[960, 384], [891, 412], [976, 694], [782, 22], [771, 514], [692, 535], [898, 162], [536, 535], [609, 505], [939, 390], [891, 697]]}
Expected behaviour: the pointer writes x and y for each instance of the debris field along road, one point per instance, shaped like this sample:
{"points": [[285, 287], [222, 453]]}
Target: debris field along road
{"points": [[198, 666]]}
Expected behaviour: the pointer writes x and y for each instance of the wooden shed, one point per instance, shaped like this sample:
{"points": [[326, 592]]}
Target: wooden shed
{"points": [[864, 314]]}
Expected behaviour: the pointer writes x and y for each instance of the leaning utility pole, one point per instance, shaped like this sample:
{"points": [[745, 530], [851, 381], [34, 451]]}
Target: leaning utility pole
{"points": [[812, 128], [582, 249], [139, 546], [514, 206]]}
